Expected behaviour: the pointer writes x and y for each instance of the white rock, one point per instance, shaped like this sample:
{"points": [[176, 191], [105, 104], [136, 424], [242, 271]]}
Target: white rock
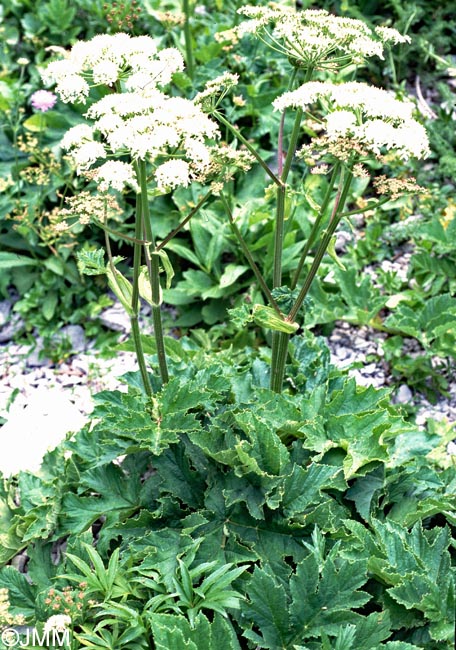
{"points": [[451, 448], [35, 429]]}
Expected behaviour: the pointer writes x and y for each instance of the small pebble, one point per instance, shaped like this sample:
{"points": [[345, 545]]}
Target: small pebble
{"points": [[404, 395]]}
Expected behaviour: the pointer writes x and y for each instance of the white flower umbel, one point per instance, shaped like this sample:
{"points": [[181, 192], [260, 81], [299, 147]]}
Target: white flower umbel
{"points": [[367, 115], [115, 174], [215, 90], [149, 128], [138, 119], [87, 154], [171, 174], [77, 135], [110, 58], [314, 37], [58, 622]]}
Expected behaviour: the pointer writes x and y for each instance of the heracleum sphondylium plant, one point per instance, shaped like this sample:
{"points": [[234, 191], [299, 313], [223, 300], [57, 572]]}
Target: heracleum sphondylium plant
{"points": [[137, 136], [354, 124], [143, 137]]}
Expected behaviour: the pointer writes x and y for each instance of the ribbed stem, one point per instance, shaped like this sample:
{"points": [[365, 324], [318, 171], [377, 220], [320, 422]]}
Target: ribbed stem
{"points": [[153, 265], [344, 188], [316, 226], [292, 145], [278, 237], [279, 358], [251, 261], [135, 300], [188, 40]]}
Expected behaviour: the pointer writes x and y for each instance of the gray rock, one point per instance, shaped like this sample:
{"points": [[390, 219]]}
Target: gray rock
{"points": [[5, 308], [13, 327], [36, 358], [115, 318], [82, 364], [370, 369], [74, 335], [404, 395], [342, 353], [342, 239]]}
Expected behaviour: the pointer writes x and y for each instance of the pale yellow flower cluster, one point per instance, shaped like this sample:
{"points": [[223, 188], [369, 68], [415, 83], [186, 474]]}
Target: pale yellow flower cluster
{"points": [[313, 37], [225, 162], [366, 115], [395, 187], [85, 206], [6, 618]]}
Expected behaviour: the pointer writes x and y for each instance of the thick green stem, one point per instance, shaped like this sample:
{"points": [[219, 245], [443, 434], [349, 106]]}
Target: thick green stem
{"points": [[134, 311], [279, 357], [277, 354], [188, 40], [135, 300], [237, 134], [292, 145], [278, 237], [140, 354], [341, 198], [154, 270], [251, 261], [316, 226], [280, 339]]}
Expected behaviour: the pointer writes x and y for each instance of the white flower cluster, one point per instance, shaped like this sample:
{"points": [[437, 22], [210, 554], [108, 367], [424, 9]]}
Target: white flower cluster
{"points": [[58, 622], [314, 37], [216, 89], [108, 58], [364, 114], [142, 121]]}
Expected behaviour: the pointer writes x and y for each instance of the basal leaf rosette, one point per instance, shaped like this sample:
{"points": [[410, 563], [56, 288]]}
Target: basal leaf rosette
{"points": [[358, 122], [313, 37]]}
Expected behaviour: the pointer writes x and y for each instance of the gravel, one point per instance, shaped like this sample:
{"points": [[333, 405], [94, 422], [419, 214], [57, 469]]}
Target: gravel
{"points": [[360, 350], [48, 399]]}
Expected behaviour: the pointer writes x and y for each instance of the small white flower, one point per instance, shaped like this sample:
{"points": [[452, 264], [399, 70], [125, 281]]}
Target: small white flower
{"points": [[58, 622], [369, 115], [87, 154], [218, 86], [171, 61], [389, 34], [142, 46], [171, 174], [105, 72], [58, 70], [339, 123], [77, 134], [73, 89], [115, 174], [313, 36], [198, 153]]}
